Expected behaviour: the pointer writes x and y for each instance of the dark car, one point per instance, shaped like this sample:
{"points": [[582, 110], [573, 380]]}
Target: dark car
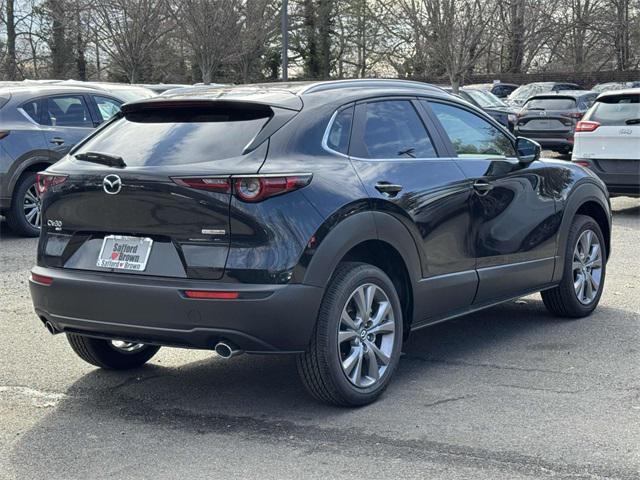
{"points": [[551, 119], [491, 104], [38, 126], [326, 220], [499, 89], [519, 96]]}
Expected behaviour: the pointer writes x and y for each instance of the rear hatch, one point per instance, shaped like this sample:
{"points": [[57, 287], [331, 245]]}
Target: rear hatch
{"points": [[553, 116], [128, 204], [616, 135]]}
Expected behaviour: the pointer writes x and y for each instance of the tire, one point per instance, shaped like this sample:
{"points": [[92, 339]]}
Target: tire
{"points": [[103, 353], [564, 300], [321, 366], [16, 215]]}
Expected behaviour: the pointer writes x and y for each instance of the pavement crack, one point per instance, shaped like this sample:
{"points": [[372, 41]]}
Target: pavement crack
{"points": [[447, 400]]}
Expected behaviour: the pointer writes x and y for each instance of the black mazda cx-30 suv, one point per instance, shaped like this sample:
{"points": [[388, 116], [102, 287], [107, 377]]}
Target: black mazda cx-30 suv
{"points": [[324, 219]]}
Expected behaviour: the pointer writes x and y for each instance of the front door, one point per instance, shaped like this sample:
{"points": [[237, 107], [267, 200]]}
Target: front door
{"points": [[514, 223], [397, 157]]}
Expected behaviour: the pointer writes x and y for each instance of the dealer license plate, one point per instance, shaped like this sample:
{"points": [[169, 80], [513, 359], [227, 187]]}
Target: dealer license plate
{"points": [[124, 253]]}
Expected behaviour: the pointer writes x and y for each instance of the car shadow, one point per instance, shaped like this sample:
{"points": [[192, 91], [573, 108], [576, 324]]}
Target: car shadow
{"points": [[254, 396]]}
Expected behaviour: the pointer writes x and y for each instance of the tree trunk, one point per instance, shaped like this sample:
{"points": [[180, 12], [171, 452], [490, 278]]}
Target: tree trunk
{"points": [[11, 42], [59, 53], [81, 61]]}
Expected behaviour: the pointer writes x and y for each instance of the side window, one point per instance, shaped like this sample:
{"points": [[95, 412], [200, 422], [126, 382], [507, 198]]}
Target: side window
{"points": [[107, 107], [393, 129], [340, 132], [470, 134], [67, 111], [32, 108]]}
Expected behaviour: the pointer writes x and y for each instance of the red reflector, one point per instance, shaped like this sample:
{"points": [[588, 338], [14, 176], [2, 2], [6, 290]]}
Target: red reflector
{"points": [[586, 126], [41, 279], [44, 181], [582, 163], [213, 184], [211, 295]]}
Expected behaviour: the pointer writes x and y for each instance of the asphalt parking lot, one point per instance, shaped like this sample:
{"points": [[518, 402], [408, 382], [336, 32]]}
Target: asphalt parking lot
{"points": [[506, 393]]}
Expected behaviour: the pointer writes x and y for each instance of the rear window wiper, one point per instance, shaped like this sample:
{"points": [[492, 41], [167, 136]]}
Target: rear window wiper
{"points": [[633, 121], [102, 158], [409, 152]]}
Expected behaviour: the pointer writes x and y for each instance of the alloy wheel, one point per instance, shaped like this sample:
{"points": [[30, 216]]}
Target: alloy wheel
{"points": [[366, 335], [31, 206], [127, 347], [587, 267]]}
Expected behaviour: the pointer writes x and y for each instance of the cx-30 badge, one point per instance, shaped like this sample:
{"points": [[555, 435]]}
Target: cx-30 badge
{"points": [[112, 184]]}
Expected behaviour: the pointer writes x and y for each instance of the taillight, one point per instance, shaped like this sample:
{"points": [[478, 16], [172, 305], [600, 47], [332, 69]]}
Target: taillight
{"points": [[213, 184], [41, 279], [44, 181], [255, 189], [586, 126], [250, 188], [582, 163]]}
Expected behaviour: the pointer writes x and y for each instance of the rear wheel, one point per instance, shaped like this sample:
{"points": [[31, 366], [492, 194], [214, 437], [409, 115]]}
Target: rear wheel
{"points": [[579, 292], [358, 338], [111, 354], [24, 215]]}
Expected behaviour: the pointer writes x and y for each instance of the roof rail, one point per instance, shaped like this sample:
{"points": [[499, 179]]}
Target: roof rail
{"points": [[367, 82]]}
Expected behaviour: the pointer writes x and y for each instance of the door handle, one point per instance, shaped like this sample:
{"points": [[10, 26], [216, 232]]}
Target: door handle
{"points": [[482, 187], [57, 140], [390, 189]]}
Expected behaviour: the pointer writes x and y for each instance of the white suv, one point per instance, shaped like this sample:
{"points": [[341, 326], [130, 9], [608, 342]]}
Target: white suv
{"points": [[607, 141]]}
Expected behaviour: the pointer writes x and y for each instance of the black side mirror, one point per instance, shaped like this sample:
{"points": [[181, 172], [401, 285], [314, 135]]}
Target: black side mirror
{"points": [[527, 150]]}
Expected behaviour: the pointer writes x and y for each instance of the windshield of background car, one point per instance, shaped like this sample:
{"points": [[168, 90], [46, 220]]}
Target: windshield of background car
{"points": [[615, 110], [131, 95], [550, 104], [526, 91], [485, 99]]}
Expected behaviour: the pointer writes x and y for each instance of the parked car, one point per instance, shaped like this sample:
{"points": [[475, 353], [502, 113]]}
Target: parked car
{"points": [[607, 141], [499, 89], [124, 91], [159, 88], [550, 119], [326, 220], [192, 89], [491, 104], [519, 96], [609, 86], [38, 126]]}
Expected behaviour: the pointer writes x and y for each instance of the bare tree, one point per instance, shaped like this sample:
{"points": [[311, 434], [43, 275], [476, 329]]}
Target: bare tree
{"points": [[130, 29], [211, 29]]}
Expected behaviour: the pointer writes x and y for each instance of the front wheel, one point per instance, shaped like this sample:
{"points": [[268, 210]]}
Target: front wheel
{"points": [[580, 290], [111, 354], [358, 338]]}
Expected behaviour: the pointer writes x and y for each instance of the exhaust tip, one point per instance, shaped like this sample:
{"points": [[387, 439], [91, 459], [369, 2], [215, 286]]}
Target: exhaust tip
{"points": [[226, 350], [49, 326]]}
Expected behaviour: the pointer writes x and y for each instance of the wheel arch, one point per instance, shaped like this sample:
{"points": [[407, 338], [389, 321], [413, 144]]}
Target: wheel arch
{"points": [[33, 164], [375, 238], [585, 199]]}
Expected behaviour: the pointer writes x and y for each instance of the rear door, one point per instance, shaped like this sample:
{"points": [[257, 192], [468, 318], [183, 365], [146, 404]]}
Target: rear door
{"points": [[67, 120], [513, 219], [397, 156], [170, 197]]}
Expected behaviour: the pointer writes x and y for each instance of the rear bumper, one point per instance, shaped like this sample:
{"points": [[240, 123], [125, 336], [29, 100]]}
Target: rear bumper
{"points": [[622, 177], [154, 310]]}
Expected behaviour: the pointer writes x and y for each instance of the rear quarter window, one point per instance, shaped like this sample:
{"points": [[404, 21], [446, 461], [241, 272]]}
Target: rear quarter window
{"points": [[174, 137], [615, 110]]}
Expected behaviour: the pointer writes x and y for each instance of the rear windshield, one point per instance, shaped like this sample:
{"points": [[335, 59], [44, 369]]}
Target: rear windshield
{"points": [[615, 110], [551, 104], [180, 136]]}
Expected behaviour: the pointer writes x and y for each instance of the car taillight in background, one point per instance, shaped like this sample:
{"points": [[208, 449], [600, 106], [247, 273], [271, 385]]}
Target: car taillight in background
{"points": [[586, 126], [582, 163], [250, 188], [44, 181]]}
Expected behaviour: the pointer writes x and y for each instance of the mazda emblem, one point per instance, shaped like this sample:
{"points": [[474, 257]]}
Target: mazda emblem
{"points": [[112, 184]]}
